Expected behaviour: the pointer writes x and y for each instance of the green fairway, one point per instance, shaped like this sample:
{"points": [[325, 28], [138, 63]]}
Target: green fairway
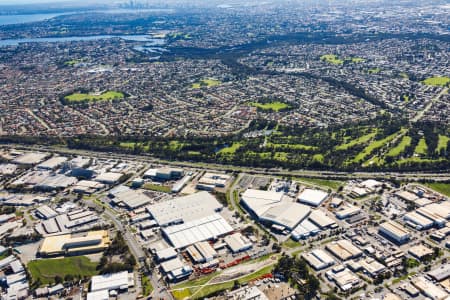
{"points": [[374, 71], [45, 270], [437, 81], [443, 188], [397, 150], [208, 82], [443, 142], [355, 59], [319, 157], [271, 106], [374, 146], [290, 146], [332, 59], [421, 147], [361, 140], [231, 149], [73, 62], [91, 97], [175, 145], [282, 156]]}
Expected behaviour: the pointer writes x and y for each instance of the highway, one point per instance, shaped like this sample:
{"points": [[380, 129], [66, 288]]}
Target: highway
{"points": [[338, 175]]}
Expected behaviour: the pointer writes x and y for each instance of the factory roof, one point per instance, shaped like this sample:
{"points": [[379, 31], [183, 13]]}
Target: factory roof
{"points": [[420, 251], [58, 244], [46, 212], [428, 288], [318, 259], [394, 228], [237, 242], [260, 201], [30, 158], [312, 197], [202, 229], [287, 214], [418, 219], [52, 163], [321, 219], [440, 273], [343, 249], [108, 177], [98, 295], [121, 280], [184, 209], [132, 198]]}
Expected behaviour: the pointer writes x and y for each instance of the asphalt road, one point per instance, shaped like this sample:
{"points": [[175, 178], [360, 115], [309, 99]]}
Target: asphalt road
{"points": [[414, 176]]}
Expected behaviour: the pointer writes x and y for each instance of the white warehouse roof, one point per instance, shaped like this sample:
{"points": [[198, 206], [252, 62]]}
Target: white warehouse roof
{"points": [[195, 231], [260, 201], [184, 209], [312, 197], [121, 280], [272, 207]]}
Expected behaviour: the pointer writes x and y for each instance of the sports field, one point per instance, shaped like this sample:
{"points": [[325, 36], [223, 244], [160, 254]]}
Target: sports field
{"points": [[91, 97]]}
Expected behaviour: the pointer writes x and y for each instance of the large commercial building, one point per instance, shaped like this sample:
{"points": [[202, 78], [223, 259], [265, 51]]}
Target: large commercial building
{"points": [[184, 209], [395, 232], [343, 249], [108, 282], [68, 244], [440, 273], [237, 242], [132, 199], [164, 174], [318, 259], [418, 221], [52, 163], [312, 197], [176, 269], [429, 289], [273, 208], [206, 228], [321, 219]]}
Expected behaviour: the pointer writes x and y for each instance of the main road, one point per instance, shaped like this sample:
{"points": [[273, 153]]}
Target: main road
{"points": [[341, 175]]}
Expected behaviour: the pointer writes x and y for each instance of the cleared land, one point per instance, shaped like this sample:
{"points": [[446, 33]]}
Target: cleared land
{"points": [[91, 97], [332, 184], [208, 82], [157, 187], [273, 106], [443, 188], [437, 81], [199, 289], [45, 270]]}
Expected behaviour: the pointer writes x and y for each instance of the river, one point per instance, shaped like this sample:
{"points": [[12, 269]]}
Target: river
{"points": [[148, 40]]}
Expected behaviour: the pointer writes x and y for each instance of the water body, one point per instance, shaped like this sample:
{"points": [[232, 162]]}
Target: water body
{"points": [[148, 40], [28, 18], [19, 19]]}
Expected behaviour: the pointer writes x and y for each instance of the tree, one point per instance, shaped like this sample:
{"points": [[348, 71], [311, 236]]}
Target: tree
{"points": [[58, 279]]}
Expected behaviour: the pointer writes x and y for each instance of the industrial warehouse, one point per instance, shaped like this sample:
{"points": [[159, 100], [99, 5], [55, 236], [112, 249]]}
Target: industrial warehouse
{"points": [[70, 244], [193, 223]]}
